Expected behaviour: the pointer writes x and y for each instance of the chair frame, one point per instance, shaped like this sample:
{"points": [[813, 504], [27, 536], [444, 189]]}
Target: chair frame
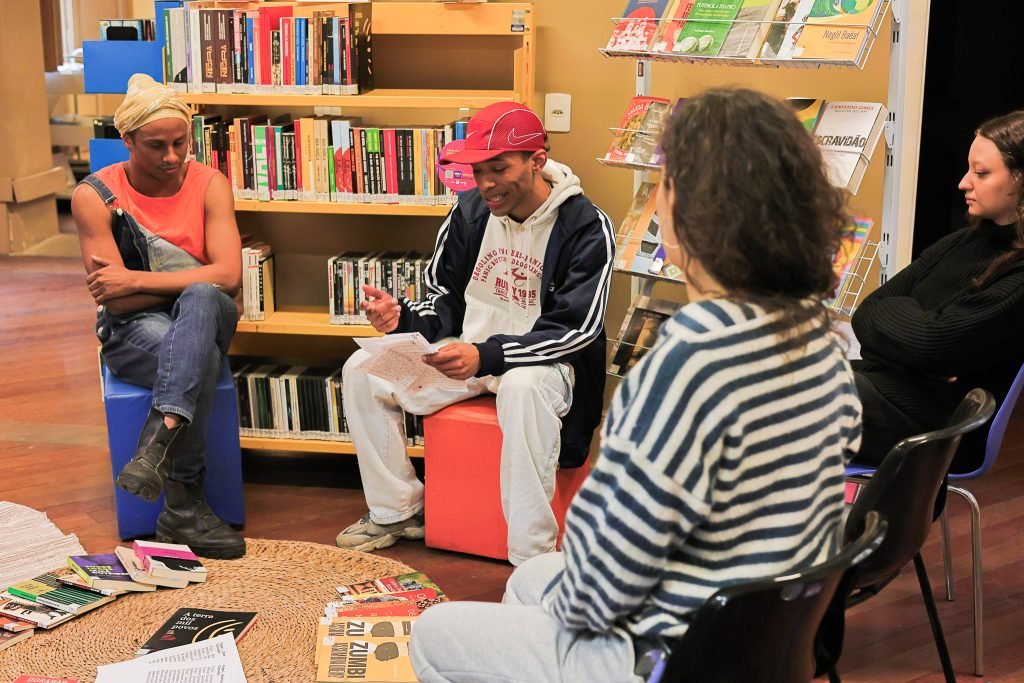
{"points": [[993, 443], [973, 412], [690, 655]]}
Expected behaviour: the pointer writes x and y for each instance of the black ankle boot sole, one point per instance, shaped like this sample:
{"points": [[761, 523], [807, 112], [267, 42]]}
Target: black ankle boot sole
{"points": [[229, 553], [139, 487]]}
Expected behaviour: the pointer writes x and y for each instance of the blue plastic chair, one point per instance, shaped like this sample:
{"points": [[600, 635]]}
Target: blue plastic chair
{"points": [[993, 443]]}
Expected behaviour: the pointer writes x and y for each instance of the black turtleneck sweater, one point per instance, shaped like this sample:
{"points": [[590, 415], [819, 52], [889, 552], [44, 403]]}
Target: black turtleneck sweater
{"points": [[928, 324]]}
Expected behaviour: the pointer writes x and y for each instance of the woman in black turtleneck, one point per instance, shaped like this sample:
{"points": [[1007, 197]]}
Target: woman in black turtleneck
{"points": [[954, 318]]}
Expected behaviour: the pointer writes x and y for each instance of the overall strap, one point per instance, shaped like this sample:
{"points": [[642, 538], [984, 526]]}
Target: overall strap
{"points": [[104, 192]]}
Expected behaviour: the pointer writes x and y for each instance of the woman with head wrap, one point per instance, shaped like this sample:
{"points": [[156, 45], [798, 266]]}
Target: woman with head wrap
{"points": [[162, 253]]}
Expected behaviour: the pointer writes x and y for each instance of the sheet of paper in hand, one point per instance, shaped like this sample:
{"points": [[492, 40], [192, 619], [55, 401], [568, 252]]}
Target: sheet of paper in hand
{"points": [[398, 358]]}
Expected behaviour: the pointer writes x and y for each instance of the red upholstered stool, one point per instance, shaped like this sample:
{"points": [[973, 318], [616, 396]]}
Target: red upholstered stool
{"points": [[462, 476]]}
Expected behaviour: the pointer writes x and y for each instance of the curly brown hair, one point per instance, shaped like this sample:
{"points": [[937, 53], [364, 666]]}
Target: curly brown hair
{"points": [[1007, 133], [753, 202]]}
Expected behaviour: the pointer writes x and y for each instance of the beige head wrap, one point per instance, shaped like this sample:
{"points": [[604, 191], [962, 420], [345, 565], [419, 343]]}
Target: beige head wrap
{"points": [[147, 101]]}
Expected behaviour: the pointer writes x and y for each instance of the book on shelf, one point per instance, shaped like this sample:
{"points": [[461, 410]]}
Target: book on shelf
{"points": [[169, 560], [635, 225], [748, 32], [104, 571], [639, 332], [8, 638], [258, 280], [269, 49], [368, 649], [785, 29], [850, 250], [636, 137], [135, 569], [636, 29], [46, 590], [706, 28], [191, 625], [837, 31], [847, 134], [671, 24]]}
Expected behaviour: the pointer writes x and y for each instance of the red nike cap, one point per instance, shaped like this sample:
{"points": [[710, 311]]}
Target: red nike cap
{"points": [[496, 129]]}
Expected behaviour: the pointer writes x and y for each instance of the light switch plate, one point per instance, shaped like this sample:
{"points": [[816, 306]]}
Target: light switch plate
{"points": [[557, 112]]}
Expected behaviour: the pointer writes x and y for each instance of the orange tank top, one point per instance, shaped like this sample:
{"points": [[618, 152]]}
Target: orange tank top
{"points": [[179, 219]]}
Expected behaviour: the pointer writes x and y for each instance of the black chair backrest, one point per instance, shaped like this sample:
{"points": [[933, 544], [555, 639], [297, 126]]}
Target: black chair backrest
{"points": [[764, 630], [905, 486]]}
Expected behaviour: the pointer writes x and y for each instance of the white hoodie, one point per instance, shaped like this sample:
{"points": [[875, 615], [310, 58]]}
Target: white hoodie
{"points": [[503, 295]]}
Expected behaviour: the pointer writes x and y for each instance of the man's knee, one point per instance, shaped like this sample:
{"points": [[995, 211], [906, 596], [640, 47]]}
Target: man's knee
{"points": [[528, 582], [430, 639], [206, 297]]}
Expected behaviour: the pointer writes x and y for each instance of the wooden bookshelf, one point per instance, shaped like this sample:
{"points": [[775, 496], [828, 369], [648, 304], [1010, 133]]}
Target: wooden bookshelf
{"points": [[380, 98], [259, 443], [303, 323], [368, 209]]}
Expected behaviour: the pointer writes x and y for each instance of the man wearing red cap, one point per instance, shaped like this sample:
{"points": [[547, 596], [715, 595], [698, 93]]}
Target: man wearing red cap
{"points": [[517, 290]]}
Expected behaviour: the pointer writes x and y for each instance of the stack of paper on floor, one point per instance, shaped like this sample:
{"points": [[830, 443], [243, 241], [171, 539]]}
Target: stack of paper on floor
{"points": [[30, 544], [215, 659]]}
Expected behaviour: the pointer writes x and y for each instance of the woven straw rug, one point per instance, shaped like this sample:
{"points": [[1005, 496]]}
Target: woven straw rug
{"points": [[286, 582]]}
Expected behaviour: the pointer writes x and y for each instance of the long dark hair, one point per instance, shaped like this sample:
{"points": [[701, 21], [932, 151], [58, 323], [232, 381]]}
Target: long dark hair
{"points": [[753, 203], [1007, 133]]}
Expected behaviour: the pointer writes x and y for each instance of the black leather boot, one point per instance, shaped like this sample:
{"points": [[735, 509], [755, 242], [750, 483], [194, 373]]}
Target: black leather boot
{"points": [[146, 472], [186, 518]]}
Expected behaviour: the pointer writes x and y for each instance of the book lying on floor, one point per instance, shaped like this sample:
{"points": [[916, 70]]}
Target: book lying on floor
{"points": [[191, 625], [372, 650], [8, 638], [381, 605], [25, 610], [105, 571], [32, 678], [45, 589], [169, 561], [391, 584], [140, 575], [69, 578], [14, 625]]}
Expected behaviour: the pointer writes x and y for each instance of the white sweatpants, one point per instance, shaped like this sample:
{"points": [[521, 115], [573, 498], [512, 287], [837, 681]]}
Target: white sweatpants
{"points": [[531, 402]]}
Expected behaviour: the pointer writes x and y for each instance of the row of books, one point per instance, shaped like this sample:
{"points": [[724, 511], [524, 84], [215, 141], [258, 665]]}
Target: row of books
{"points": [[91, 581], [257, 279], [846, 132], [796, 30], [326, 159], [298, 402], [365, 634], [399, 274], [268, 50]]}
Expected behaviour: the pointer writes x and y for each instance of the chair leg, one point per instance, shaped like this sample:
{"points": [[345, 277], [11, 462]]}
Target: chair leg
{"points": [[947, 552], [979, 641], [933, 619]]}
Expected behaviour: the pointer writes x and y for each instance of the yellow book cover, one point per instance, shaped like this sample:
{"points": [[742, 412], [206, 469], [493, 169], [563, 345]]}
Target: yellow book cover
{"points": [[836, 30], [370, 650]]}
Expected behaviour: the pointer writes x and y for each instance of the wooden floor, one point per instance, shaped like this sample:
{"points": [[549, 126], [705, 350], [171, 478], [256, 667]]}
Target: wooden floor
{"points": [[53, 457]]}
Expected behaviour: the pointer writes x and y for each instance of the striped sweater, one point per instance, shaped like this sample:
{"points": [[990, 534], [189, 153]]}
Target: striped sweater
{"points": [[722, 461]]}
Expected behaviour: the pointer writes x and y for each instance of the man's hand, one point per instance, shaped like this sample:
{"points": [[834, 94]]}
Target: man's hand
{"points": [[456, 360], [110, 281], [382, 309]]}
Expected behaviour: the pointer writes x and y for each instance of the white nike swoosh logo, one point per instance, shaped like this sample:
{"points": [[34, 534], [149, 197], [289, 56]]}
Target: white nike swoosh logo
{"points": [[514, 139]]}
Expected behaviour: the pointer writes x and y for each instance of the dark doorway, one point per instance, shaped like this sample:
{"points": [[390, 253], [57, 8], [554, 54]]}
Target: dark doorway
{"points": [[975, 70]]}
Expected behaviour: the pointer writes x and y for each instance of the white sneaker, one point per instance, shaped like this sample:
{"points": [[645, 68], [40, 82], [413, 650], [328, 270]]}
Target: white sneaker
{"points": [[366, 535]]}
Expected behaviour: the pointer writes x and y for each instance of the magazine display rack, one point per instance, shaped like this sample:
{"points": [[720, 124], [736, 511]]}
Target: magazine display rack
{"points": [[295, 331], [871, 33], [883, 250]]}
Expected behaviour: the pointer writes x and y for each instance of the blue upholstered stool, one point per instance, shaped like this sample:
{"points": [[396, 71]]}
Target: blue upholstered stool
{"points": [[127, 406]]}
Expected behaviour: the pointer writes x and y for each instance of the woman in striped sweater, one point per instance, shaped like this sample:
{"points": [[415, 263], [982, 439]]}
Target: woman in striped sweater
{"points": [[723, 450]]}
